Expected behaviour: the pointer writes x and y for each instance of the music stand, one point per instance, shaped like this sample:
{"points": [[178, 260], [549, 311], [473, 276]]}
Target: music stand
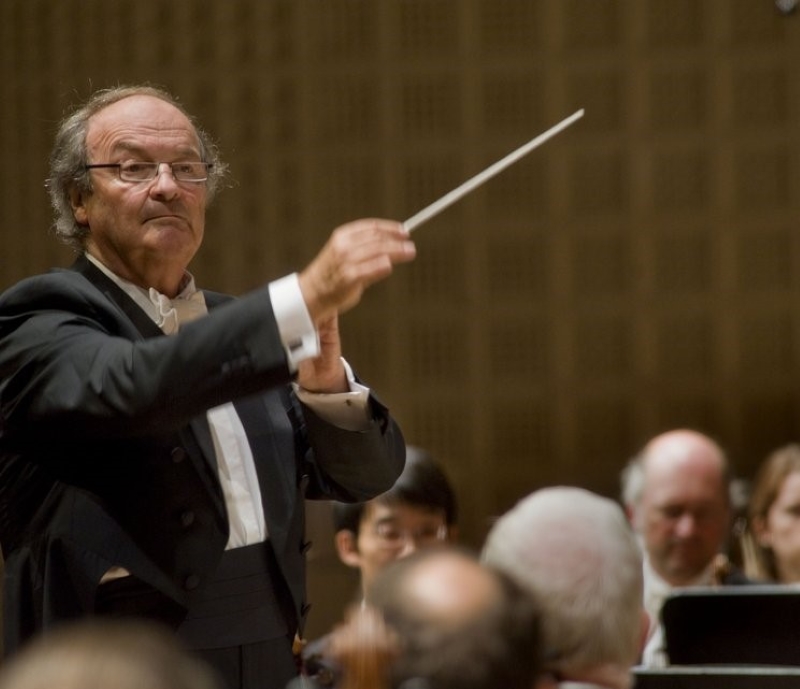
{"points": [[734, 625]]}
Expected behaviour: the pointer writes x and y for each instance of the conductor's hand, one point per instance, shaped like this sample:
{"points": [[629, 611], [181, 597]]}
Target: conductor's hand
{"points": [[356, 256]]}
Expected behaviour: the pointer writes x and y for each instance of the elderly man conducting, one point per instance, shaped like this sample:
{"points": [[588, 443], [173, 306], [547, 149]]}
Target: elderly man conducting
{"points": [[157, 441]]}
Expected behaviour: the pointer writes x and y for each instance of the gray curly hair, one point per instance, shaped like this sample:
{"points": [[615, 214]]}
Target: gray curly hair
{"points": [[69, 158]]}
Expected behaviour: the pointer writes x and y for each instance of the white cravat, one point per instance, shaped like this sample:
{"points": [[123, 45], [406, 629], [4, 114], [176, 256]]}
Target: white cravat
{"points": [[170, 313]]}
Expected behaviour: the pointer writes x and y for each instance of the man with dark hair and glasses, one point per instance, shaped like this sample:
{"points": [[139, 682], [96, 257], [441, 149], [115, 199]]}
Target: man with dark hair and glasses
{"points": [[157, 441], [419, 511]]}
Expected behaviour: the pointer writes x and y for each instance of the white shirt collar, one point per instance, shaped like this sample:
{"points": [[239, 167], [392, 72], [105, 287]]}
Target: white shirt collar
{"points": [[166, 313]]}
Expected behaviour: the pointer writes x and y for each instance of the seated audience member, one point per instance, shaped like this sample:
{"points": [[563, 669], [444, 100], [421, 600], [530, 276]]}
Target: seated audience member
{"points": [[576, 553], [677, 492], [96, 653], [419, 510], [457, 624], [771, 542]]}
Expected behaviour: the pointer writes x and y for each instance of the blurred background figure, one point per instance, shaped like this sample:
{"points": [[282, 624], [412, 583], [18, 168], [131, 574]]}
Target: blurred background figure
{"points": [[576, 553], [420, 510], [677, 493], [107, 654], [363, 648], [458, 624], [771, 541]]}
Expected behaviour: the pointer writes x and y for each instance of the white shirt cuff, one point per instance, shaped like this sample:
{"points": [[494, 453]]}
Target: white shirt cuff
{"points": [[345, 410], [295, 326]]}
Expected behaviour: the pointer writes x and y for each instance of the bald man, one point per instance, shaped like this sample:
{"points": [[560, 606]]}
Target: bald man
{"points": [[461, 625], [676, 493]]}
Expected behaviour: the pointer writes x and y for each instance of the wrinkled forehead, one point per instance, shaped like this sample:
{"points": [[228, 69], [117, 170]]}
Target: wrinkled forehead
{"points": [[138, 122]]}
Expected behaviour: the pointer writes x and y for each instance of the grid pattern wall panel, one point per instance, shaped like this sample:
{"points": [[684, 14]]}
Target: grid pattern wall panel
{"points": [[685, 346], [765, 260], [680, 179], [634, 274], [693, 407]]}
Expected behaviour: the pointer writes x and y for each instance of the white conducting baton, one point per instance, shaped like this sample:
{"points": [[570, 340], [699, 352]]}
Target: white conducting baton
{"points": [[473, 183]]}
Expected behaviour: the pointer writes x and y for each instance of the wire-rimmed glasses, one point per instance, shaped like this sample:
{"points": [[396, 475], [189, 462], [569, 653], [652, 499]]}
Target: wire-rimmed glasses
{"points": [[392, 537], [141, 171]]}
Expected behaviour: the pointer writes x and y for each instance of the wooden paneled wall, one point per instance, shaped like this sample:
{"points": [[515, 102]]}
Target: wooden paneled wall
{"points": [[637, 273]]}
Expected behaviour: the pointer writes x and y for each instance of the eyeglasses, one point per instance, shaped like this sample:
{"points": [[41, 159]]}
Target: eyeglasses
{"points": [[393, 538], [137, 171]]}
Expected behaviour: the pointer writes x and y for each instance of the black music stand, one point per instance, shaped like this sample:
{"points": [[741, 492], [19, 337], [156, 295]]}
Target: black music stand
{"points": [[734, 625]]}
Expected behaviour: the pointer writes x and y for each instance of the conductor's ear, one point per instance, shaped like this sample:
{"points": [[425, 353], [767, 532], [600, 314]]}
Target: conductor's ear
{"points": [[77, 201]]}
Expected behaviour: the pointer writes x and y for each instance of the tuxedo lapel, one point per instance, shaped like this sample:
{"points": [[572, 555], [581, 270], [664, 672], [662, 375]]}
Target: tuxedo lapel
{"points": [[114, 293], [198, 439]]}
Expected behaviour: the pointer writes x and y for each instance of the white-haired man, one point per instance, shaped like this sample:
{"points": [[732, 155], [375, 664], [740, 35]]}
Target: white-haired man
{"points": [[576, 553]]}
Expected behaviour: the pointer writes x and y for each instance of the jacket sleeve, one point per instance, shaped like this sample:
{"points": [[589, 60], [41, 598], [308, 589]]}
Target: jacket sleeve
{"points": [[351, 466], [72, 365]]}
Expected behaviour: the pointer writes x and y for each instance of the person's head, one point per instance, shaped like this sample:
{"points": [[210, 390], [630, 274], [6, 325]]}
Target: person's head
{"points": [[419, 510], [677, 495], [774, 517], [460, 624], [134, 227], [577, 554], [103, 653]]}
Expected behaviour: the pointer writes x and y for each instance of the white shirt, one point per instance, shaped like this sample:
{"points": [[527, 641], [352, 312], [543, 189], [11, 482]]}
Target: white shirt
{"points": [[235, 462], [656, 591]]}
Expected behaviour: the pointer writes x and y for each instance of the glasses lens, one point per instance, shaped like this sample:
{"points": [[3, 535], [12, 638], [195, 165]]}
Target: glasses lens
{"points": [[135, 171], [431, 535], [190, 172], [389, 535], [393, 537]]}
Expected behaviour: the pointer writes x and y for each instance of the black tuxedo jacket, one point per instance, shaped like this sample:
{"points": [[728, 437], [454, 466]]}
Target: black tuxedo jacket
{"points": [[105, 454]]}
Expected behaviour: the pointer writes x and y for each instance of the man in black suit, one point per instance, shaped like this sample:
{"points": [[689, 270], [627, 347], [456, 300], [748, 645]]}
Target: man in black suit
{"points": [[156, 441]]}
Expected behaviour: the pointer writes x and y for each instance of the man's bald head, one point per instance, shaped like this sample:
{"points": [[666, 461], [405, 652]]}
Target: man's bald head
{"points": [[462, 625], [677, 494]]}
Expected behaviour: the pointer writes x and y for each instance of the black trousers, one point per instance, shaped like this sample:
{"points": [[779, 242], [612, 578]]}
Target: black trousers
{"points": [[240, 623], [261, 665]]}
